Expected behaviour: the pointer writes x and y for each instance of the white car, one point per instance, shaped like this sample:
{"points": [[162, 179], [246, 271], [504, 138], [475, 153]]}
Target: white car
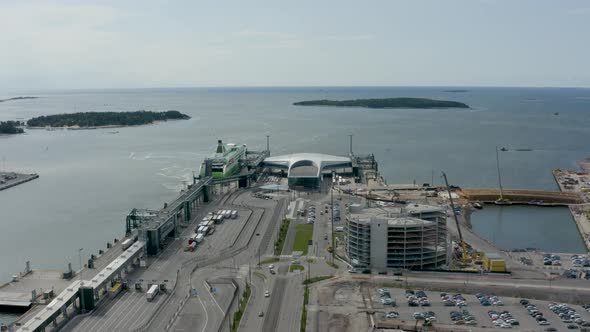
{"points": [[392, 314], [271, 266], [267, 294]]}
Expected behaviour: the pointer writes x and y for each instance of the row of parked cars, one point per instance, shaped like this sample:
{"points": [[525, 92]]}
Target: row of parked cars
{"points": [[418, 298], [311, 214], [428, 316], [568, 315], [453, 300], [534, 312], [488, 300], [551, 259], [385, 297], [463, 317], [503, 319], [579, 261]]}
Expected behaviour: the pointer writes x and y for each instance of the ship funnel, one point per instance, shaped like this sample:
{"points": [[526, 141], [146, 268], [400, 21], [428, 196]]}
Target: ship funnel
{"points": [[219, 147]]}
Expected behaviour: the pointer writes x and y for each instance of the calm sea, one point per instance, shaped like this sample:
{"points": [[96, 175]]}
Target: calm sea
{"points": [[91, 179]]}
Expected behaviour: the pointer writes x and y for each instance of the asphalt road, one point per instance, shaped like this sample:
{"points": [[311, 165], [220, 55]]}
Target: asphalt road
{"points": [[274, 307]]}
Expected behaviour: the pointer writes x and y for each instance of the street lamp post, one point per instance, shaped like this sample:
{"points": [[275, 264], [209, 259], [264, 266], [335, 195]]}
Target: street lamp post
{"points": [[80, 260], [332, 214]]}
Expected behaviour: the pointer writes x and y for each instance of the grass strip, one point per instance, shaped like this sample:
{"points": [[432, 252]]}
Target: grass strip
{"points": [[280, 242], [269, 261], [304, 311], [295, 267], [315, 279], [302, 237], [241, 308]]}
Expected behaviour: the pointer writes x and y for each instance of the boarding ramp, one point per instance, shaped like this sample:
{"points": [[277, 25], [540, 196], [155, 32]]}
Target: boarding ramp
{"points": [[49, 315]]}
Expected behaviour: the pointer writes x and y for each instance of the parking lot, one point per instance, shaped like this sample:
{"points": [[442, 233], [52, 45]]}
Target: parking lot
{"points": [[476, 314]]}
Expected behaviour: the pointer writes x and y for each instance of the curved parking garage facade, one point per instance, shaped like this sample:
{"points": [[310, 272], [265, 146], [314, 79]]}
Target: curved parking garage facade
{"points": [[383, 239]]}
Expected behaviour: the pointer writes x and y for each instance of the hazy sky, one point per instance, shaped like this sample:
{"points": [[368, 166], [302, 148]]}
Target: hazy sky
{"points": [[149, 43]]}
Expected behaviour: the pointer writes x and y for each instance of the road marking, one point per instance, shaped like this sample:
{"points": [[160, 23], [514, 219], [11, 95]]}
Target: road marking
{"points": [[214, 300], [206, 314]]}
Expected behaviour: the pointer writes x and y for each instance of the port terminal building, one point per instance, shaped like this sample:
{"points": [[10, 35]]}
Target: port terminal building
{"points": [[306, 170], [407, 237]]}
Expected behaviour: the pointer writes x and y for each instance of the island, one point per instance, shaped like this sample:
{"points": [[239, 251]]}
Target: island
{"points": [[17, 98], [456, 90], [386, 103], [10, 127], [90, 120]]}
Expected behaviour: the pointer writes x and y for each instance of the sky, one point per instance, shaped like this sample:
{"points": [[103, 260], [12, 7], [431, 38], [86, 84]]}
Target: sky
{"points": [[157, 43]]}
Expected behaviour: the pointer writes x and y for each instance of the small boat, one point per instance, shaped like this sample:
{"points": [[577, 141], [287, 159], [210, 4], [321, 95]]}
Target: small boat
{"points": [[503, 149], [113, 132], [502, 202], [477, 206], [556, 113]]}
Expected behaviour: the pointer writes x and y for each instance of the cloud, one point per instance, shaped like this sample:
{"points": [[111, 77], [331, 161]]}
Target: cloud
{"points": [[579, 11], [351, 37], [271, 39]]}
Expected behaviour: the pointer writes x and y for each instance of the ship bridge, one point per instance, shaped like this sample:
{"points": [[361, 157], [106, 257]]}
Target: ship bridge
{"points": [[305, 169]]}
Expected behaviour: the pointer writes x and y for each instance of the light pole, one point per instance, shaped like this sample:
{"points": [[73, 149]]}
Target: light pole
{"points": [[332, 214], [80, 260]]}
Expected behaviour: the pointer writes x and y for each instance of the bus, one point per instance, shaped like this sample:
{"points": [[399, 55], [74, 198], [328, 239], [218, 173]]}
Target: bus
{"points": [[126, 244], [115, 290], [152, 292]]}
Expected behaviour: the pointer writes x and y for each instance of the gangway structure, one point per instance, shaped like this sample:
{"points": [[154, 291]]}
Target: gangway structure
{"points": [[83, 295]]}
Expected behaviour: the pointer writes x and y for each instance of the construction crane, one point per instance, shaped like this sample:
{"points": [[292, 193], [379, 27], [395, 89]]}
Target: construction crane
{"points": [[465, 257]]}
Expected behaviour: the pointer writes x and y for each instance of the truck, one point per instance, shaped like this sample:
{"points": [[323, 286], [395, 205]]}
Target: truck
{"points": [[152, 292], [199, 238], [201, 229], [126, 244], [339, 228], [192, 246], [218, 219]]}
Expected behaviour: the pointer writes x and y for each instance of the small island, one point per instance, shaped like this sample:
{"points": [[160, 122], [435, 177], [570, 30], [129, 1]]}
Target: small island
{"points": [[455, 90], [17, 98], [91, 120], [386, 103], [10, 127]]}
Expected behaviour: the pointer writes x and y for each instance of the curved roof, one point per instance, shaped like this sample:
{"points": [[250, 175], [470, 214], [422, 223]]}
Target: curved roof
{"points": [[307, 164]]}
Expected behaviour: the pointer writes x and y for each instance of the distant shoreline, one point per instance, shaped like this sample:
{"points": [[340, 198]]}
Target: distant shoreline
{"points": [[17, 98]]}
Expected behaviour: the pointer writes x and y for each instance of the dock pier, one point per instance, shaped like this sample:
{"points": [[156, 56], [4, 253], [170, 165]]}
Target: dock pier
{"points": [[12, 179], [578, 183]]}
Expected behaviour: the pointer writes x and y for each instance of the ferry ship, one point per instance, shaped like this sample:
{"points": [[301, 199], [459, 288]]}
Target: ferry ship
{"points": [[224, 162]]}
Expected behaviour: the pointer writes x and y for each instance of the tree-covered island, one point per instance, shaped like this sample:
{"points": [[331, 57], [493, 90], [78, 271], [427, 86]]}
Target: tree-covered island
{"points": [[386, 103], [10, 127], [104, 119]]}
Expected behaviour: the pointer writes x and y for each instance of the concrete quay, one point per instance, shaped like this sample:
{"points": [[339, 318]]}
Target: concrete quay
{"points": [[12, 179], [579, 183]]}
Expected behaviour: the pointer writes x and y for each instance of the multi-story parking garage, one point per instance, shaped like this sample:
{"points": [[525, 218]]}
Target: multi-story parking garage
{"points": [[382, 238]]}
